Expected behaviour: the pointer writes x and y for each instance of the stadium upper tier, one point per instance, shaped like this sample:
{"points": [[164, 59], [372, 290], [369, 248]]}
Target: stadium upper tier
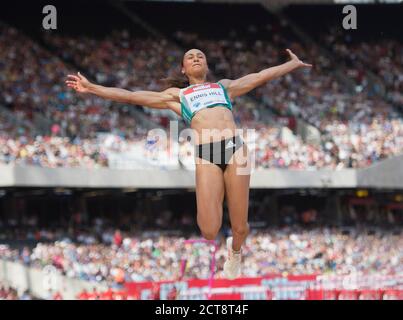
{"points": [[371, 55], [358, 124]]}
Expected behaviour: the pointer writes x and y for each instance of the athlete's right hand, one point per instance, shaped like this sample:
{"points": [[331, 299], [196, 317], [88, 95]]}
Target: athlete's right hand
{"points": [[78, 82]]}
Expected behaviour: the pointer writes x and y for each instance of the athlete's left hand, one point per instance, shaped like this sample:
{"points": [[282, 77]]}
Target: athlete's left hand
{"points": [[297, 61]]}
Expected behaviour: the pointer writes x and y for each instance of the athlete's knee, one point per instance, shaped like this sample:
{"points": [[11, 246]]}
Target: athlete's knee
{"points": [[209, 234], [241, 230], [209, 229]]}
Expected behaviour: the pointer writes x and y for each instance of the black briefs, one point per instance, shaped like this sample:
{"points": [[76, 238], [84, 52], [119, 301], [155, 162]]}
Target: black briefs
{"points": [[219, 152]]}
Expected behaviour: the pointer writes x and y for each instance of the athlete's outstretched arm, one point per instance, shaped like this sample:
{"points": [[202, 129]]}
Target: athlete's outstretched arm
{"points": [[160, 100], [251, 81]]}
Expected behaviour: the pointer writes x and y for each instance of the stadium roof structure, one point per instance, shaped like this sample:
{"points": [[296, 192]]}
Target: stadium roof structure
{"points": [[277, 4], [287, 2], [273, 2]]}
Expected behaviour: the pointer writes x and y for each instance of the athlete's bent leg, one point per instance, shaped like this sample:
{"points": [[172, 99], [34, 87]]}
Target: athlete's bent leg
{"points": [[210, 196], [237, 194]]}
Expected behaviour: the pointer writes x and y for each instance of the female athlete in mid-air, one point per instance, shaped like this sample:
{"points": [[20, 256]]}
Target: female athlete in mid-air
{"points": [[220, 151]]}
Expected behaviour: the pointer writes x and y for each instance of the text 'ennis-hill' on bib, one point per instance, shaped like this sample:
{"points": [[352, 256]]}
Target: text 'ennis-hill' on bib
{"points": [[200, 96]]}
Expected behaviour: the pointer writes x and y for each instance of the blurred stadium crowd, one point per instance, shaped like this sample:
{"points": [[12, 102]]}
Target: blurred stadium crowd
{"points": [[358, 124], [117, 257], [9, 293]]}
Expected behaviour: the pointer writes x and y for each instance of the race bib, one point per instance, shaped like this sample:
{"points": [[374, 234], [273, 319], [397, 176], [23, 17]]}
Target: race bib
{"points": [[203, 96]]}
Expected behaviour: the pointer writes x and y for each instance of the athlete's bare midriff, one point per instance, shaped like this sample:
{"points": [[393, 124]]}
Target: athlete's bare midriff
{"points": [[213, 124]]}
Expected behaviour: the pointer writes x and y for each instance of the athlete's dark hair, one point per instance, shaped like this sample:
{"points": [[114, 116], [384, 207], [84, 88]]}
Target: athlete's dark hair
{"points": [[178, 79]]}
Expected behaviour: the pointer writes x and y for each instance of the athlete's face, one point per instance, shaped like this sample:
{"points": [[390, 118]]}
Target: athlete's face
{"points": [[194, 63]]}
